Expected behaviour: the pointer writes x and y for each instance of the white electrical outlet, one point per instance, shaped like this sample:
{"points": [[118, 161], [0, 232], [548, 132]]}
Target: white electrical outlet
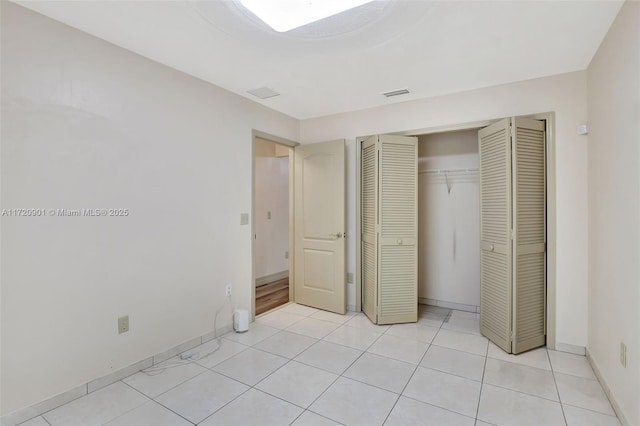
{"points": [[623, 354], [123, 324], [228, 290], [350, 277]]}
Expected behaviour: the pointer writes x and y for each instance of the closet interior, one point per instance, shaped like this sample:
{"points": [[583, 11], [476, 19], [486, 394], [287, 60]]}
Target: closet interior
{"points": [[449, 220]]}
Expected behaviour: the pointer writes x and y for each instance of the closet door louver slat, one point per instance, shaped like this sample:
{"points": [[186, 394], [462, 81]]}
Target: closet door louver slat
{"points": [[495, 226], [530, 234]]}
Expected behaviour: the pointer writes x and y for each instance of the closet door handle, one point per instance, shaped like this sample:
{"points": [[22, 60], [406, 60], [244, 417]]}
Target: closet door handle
{"points": [[399, 241], [491, 247]]}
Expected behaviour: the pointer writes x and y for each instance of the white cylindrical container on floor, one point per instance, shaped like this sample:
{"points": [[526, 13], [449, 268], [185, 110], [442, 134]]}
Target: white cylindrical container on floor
{"points": [[241, 320]]}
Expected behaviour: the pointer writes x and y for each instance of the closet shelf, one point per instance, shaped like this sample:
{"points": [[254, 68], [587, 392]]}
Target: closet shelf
{"points": [[445, 171]]}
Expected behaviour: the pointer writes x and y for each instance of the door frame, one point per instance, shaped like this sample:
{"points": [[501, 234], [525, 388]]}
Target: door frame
{"points": [[551, 213], [257, 134]]}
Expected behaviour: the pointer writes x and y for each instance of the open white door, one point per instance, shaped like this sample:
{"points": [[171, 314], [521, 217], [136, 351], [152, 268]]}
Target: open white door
{"points": [[319, 224]]}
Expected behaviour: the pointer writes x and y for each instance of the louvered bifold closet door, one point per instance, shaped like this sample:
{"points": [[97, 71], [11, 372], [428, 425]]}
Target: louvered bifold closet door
{"points": [[368, 223], [398, 215], [495, 228], [530, 234]]}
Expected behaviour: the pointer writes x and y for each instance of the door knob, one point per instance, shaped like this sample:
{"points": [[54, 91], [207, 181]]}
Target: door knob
{"points": [[337, 235], [491, 247]]}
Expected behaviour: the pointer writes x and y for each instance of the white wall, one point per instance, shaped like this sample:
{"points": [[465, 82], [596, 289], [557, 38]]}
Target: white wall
{"points": [[614, 208], [449, 221], [565, 95], [271, 195], [86, 124]]}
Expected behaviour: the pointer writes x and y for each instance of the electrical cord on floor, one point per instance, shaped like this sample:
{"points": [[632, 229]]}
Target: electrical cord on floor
{"points": [[188, 357]]}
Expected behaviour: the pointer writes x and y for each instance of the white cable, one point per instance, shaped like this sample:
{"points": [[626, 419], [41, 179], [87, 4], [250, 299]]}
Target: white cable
{"points": [[154, 371]]}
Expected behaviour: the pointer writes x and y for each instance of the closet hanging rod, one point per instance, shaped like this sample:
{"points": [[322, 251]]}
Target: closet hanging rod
{"points": [[442, 171]]}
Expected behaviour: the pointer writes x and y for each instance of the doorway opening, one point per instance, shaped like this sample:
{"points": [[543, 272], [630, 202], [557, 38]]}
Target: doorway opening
{"points": [[272, 223]]}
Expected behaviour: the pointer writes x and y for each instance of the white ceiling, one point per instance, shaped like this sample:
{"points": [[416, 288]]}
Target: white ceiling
{"points": [[430, 47]]}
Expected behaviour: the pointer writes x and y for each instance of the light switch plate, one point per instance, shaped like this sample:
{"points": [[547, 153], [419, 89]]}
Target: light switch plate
{"points": [[244, 218], [349, 277]]}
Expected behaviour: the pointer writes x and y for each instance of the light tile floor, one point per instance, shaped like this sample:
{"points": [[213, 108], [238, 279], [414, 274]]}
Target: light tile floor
{"points": [[301, 366]]}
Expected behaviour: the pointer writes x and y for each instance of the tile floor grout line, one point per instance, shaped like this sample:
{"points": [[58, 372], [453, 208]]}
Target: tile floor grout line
{"points": [[323, 415], [172, 387], [519, 364], [414, 370], [246, 384], [345, 370], [405, 386], [449, 373], [350, 347], [523, 393], [223, 375], [280, 398], [555, 382], [577, 377], [224, 360], [482, 382], [216, 411], [439, 407], [392, 408], [317, 414], [332, 383], [592, 411], [146, 402], [369, 384], [454, 349], [293, 360]]}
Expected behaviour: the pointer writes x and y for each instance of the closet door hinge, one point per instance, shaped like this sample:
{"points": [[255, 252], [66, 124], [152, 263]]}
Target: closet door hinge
{"points": [[511, 336]]}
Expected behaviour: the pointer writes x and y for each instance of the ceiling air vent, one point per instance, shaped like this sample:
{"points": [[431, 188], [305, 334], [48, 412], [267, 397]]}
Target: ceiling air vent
{"points": [[263, 92], [396, 93]]}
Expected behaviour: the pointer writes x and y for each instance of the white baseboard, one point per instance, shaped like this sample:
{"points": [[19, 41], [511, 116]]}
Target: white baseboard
{"points": [[271, 278], [27, 413], [607, 391], [572, 349], [449, 305], [20, 416]]}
